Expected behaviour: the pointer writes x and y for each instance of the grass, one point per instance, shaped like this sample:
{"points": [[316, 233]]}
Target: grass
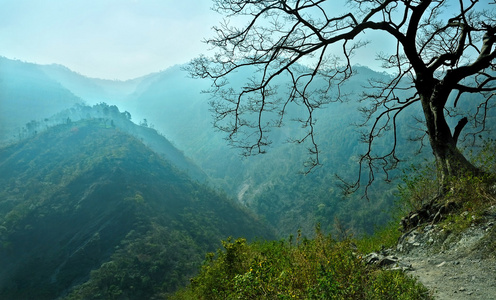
{"points": [[318, 268], [386, 237]]}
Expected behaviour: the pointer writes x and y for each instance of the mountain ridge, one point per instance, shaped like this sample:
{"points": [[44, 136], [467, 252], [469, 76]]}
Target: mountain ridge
{"points": [[76, 191], [173, 104], [272, 185]]}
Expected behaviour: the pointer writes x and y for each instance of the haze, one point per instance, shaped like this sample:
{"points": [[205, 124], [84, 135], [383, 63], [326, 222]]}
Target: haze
{"points": [[111, 39], [120, 39]]}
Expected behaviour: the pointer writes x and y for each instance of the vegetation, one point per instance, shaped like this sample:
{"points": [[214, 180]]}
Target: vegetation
{"points": [[469, 195], [87, 206], [271, 185], [319, 268], [147, 264], [127, 222], [328, 268], [444, 53]]}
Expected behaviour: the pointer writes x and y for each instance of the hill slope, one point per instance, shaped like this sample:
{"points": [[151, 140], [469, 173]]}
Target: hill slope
{"points": [[27, 94], [85, 196], [269, 185]]}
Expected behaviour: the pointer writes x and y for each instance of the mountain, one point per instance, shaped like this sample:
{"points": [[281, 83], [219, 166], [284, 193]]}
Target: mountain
{"points": [[110, 115], [27, 93], [88, 211], [271, 185], [92, 90]]}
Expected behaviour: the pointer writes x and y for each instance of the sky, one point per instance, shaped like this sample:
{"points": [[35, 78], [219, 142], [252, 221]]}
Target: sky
{"points": [[120, 39], [110, 39]]}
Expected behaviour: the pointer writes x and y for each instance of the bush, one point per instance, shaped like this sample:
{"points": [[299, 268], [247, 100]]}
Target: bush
{"points": [[320, 268], [419, 186], [467, 196]]}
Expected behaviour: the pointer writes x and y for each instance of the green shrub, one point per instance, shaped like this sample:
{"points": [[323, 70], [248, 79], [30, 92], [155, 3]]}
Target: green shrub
{"points": [[320, 268], [419, 186], [395, 285], [386, 237]]}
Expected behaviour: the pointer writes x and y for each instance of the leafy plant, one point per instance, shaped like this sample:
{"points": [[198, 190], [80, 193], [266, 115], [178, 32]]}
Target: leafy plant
{"points": [[318, 268], [419, 185], [468, 194]]}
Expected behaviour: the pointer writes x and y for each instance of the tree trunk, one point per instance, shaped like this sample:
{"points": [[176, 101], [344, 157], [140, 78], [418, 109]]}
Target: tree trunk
{"points": [[451, 163]]}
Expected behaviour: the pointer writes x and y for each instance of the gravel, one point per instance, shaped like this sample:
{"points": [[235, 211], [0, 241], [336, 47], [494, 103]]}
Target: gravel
{"points": [[453, 265]]}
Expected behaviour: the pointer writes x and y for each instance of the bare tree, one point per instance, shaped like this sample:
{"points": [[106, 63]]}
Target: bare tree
{"points": [[444, 48]]}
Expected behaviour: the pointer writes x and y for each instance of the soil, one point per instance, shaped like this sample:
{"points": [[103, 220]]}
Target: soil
{"points": [[451, 265]]}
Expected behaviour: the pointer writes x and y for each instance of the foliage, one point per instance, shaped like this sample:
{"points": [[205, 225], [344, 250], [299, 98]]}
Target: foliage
{"points": [[443, 53], [485, 156], [147, 264], [275, 190], [419, 185], [383, 238], [319, 268], [472, 194], [87, 204], [323, 268]]}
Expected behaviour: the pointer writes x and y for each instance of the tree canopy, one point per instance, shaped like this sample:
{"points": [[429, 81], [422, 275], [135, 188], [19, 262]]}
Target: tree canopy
{"points": [[444, 50]]}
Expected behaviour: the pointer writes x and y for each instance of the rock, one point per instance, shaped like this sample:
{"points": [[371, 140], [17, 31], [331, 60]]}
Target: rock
{"points": [[441, 264], [371, 258], [390, 262], [429, 212], [414, 219], [402, 266], [387, 261], [429, 227]]}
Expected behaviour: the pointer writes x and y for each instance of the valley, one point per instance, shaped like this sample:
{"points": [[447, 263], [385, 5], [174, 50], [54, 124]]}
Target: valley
{"points": [[274, 185], [119, 188]]}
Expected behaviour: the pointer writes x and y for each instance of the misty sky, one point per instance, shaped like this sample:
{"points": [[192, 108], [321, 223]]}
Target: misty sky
{"points": [[118, 39], [112, 39]]}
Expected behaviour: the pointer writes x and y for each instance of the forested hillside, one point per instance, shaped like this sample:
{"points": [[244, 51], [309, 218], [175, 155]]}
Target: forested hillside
{"points": [[88, 209], [272, 185], [271, 149], [28, 94]]}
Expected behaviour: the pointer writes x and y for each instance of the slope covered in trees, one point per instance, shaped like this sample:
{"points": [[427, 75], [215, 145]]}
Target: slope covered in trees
{"points": [[86, 205], [270, 184], [27, 93]]}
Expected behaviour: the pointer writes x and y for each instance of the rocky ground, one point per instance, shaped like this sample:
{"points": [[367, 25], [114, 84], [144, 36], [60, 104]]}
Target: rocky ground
{"points": [[453, 265]]}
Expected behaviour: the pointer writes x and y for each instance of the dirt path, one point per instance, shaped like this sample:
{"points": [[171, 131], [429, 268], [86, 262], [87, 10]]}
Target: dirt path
{"points": [[453, 266], [452, 277]]}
